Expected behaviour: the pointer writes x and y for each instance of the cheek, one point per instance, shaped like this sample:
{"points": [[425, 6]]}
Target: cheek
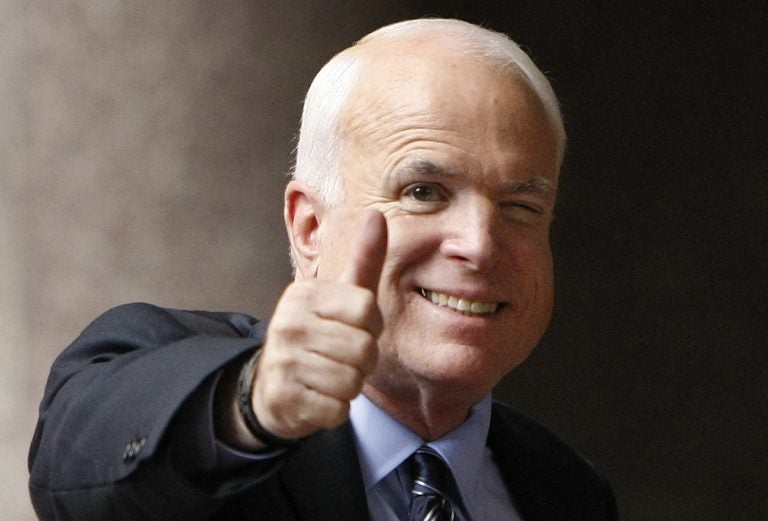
{"points": [[332, 253], [410, 245], [408, 255], [533, 283], [534, 257], [543, 300]]}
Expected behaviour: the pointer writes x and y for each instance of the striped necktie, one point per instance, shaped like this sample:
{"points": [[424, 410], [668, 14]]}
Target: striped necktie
{"points": [[431, 484]]}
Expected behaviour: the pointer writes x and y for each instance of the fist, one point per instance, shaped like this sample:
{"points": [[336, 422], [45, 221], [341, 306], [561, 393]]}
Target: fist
{"points": [[321, 343]]}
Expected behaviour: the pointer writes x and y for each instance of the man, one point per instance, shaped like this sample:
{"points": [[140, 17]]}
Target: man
{"points": [[419, 219]]}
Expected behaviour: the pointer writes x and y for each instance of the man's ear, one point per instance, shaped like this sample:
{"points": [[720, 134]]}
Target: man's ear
{"points": [[303, 214]]}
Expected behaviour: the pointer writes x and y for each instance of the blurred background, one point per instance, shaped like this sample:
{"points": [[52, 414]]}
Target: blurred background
{"points": [[144, 150]]}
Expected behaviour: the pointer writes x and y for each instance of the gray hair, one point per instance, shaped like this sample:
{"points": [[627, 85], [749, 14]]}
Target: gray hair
{"points": [[319, 150]]}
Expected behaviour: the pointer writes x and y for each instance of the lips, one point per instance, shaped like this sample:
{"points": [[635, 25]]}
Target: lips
{"points": [[462, 305]]}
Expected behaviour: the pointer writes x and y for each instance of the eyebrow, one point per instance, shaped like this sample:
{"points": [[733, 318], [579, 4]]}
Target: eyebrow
{"points": [[536, 185], [420, 167]]}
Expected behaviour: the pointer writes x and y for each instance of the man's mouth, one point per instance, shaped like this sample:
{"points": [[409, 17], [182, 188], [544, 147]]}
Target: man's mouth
{"points": [[462, 305]]}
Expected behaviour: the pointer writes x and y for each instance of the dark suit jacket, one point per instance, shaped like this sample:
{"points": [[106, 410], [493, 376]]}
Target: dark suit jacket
{"points": [[125, 433]]}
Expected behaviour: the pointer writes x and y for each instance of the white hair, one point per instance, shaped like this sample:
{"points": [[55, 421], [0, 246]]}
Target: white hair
{"points": [[321, 137]]}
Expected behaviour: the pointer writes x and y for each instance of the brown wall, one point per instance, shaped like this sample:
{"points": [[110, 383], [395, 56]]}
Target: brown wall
{"points": [[144, 145]]}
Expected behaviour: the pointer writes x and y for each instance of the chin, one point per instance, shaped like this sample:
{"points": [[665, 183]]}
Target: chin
{"points": [[462, 368]]}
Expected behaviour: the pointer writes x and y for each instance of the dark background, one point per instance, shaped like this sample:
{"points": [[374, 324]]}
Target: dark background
{"points": [[149, 166], [656, 361]]}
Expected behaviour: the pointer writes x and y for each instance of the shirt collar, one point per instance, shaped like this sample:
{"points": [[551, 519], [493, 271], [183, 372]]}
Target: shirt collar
{"points": [[383, 443], [462, 448]]}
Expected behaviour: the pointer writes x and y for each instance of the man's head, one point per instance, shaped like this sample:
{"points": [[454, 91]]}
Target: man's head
{"points": [[321, 136], [455, 137]]}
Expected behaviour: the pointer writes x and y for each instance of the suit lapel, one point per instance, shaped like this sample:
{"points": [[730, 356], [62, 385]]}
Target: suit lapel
{"points": [[546, 478], [323, 480], [504, 440]]}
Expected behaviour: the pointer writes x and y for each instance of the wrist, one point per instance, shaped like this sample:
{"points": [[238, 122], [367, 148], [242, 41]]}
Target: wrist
{"points": [[245, 406]]}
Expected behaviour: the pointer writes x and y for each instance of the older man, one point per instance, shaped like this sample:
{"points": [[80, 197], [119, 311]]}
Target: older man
{"points": [[419, 219]]}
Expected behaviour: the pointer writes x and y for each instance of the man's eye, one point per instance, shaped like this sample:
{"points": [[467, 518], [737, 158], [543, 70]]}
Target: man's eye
{"points": [[524, 212], [529, 208], [424, 193]]}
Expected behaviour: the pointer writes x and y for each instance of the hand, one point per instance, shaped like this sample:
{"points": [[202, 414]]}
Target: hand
{"points": [[321, 343]]}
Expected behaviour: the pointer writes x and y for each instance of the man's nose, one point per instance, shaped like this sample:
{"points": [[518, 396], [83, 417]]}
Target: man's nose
{"points": [[472, 236]]}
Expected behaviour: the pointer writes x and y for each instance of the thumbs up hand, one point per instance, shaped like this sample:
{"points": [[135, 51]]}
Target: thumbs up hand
{"points": [[321, 343]]}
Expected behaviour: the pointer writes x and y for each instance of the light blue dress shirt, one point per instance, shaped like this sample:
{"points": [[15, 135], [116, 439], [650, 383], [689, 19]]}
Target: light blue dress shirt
{"points": [[384, 445]]}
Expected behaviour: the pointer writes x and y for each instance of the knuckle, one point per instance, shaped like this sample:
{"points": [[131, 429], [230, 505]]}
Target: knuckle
{"points": [[351, 383], [274, 397], [335, 413], [365, 304], [288, 328], [292, 409], [368, 303], [287, 413], [365, 352]]}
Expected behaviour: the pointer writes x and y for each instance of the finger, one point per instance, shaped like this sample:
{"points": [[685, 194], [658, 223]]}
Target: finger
{"points": [[329, 377], [368, 252], [322, 411], [306, 300], [350, 346], [299, 412]]}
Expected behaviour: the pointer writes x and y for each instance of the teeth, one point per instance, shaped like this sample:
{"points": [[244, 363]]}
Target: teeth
{"points": [[459, 304]]}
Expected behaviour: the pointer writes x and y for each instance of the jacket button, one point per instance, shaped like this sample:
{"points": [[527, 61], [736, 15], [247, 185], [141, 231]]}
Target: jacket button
{"points": [[133, 448]]}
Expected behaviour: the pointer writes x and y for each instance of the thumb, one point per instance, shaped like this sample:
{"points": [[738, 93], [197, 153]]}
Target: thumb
{"points": [[368, 252]]}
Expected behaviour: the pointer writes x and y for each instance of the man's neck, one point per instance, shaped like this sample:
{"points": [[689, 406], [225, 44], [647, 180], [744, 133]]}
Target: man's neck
{"points": [[429, 414]]}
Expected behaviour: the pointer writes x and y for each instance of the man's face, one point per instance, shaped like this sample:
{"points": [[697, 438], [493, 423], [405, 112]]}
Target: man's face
{"points": [[461, 161]]}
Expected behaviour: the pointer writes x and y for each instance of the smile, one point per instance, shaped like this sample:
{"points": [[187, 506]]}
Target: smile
{"points": [[465, 306]]}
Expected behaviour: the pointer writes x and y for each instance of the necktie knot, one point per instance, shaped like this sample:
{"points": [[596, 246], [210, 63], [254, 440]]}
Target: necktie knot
{"points": [[432, 483]]}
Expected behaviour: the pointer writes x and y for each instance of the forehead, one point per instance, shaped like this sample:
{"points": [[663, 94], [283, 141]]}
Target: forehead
{"points": [[434, 83], [464, 106]]}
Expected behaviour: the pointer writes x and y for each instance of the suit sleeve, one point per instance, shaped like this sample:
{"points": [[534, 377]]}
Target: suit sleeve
{"points": [[125, 428]]}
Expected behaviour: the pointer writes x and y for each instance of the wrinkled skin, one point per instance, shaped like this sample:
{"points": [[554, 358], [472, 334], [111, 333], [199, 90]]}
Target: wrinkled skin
{"points": [[459, 159]]}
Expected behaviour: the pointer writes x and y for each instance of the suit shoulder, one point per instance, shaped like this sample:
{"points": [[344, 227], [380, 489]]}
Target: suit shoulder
{"points": [[544, 470], [514, 430], [141, 327], [141, 318]]}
